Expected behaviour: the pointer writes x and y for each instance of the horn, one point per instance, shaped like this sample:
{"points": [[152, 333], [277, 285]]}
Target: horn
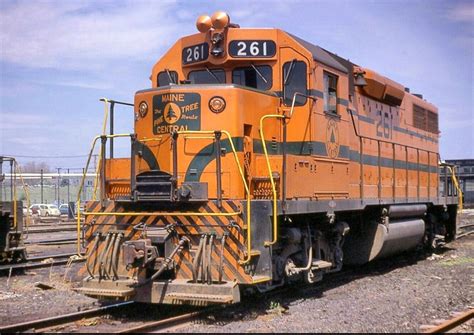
{"points": [[360, 80], [220, 20]]}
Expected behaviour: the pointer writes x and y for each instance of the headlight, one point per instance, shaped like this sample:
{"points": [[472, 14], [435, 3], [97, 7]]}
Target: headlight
{"points": [[217, 104], [142, 109]]}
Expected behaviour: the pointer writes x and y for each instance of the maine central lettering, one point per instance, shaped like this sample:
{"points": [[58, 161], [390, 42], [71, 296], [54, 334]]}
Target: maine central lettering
{"points": [[176, 112]]}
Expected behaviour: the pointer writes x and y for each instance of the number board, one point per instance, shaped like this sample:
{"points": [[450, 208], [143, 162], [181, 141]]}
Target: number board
{"points": [[195, 53], [252, 48]]}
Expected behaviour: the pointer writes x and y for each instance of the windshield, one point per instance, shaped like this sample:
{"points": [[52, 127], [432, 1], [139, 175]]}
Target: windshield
{"points": [[53, 207], [259, 77], [207, 76]]}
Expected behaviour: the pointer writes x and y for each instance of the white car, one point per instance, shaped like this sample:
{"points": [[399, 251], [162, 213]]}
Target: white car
{"points": [[46, 210]]}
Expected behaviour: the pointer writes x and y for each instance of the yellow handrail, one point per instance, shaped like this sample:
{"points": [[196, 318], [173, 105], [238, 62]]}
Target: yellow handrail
{"points": [[247, 190], [104, 128], [267, 159], [147, 139], [81, 185], [161, 213], [456, 184]]}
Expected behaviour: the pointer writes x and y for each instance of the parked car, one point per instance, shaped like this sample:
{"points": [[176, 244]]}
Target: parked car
{"points": [[45, 210], [64, 209]]}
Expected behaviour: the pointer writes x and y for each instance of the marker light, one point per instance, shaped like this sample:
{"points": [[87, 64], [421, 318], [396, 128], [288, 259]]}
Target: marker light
{"points": [[143, 109]]}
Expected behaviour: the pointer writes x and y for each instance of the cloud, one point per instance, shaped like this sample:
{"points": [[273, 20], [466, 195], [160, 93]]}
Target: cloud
{"points": [[462, 12], [17, 121], [77, 35]]}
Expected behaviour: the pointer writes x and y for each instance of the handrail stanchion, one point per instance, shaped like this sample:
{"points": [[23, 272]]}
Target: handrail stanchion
{"points": [[174, 143], [81, 186], [270, 174], [242, 176], [103, 140], [133, 174], [218, 135], [267, 159]]}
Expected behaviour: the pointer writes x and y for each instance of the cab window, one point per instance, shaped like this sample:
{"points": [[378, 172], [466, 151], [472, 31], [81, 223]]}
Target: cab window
{"points": [[259, 77], [330, 93], [294, 81], [207, 76], [167, 77]]}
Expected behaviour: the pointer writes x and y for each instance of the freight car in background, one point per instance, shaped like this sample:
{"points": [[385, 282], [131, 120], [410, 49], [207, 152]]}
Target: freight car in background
{"points": [[13, 222], [259, 159], [465, 175]]}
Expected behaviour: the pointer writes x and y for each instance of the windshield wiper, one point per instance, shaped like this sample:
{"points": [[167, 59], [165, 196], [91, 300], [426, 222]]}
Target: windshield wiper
{"points": [[169, 76], [289, 72], [259, 73], [213, 75]]}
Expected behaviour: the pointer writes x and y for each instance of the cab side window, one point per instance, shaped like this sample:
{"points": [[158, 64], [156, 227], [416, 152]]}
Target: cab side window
{"points": [[294, 80], [330, 93], [167, 77]]}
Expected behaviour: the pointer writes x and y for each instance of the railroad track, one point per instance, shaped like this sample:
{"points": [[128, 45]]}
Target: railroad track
{"points": [[60, 320], [55, 241], [49, 324], [464, 230], [447, 325], [52, 229], [40, 262]]}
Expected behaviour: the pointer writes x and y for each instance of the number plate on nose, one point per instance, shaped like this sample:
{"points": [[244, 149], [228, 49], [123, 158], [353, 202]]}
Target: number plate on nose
{"points": [[252, 48]]}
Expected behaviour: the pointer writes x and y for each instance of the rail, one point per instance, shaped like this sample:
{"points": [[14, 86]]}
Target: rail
{"points": [[107, 112], [270, 173], [81, 184], [455, 183], [379, 157]]}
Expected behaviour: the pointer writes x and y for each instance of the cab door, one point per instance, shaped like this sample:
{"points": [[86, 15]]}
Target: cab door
{"points": [[295, 78]]}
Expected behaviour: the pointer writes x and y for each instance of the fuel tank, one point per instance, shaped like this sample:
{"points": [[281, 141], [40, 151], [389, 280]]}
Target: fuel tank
{"points": [[403, 230]]}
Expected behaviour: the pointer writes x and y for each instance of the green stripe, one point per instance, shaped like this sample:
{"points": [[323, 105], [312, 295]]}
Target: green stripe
{"points": [[147, 155], [405, 131], [207, 155]]}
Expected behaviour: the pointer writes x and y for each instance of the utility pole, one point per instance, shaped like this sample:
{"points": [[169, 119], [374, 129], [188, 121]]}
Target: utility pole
{"points": [[41, 186], [68, 182], [59, 169], [84, 187], [2, 177], [11, 180]]}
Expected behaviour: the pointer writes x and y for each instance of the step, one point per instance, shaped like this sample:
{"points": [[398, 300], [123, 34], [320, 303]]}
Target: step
{"points": [[223, 299], [255, 252], [153, 183], [260, 279], [100, 292], [320, 265]]}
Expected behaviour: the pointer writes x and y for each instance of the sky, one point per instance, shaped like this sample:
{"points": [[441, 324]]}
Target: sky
{"points": [[58, 58]]}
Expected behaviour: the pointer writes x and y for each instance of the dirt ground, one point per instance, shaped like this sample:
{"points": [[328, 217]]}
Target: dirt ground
{"points": [[399, 294], [394, 295]]}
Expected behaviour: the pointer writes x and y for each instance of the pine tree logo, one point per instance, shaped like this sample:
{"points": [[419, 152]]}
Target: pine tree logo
{"points": [[332, 139], [172, 113]]}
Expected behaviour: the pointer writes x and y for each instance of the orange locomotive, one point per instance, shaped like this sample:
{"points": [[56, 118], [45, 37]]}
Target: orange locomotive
{"points": [[260, 159]]}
